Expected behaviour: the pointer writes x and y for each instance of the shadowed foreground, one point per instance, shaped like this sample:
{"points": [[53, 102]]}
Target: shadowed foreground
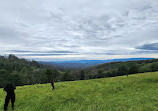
{"points": [[133, 93]]}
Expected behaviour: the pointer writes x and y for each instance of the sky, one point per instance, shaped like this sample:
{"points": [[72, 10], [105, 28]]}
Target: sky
{"points": [[61, 30]]}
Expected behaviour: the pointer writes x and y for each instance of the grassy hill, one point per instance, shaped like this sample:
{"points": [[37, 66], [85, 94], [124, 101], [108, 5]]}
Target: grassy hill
{"points": [[138, 92]]}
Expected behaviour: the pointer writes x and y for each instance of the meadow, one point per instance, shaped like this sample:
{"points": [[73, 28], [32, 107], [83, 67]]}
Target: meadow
{"points": [[138, 92]]}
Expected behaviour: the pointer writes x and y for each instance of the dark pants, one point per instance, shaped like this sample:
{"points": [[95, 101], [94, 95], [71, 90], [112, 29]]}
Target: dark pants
{"points": [[53, 87], [7, 99]]}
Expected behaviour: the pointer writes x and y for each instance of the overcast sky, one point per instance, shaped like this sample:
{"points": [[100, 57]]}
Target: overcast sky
{"points": [[79, 29]]}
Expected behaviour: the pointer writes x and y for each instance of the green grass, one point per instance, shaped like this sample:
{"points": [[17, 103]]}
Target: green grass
{"points": [[137, 92]]}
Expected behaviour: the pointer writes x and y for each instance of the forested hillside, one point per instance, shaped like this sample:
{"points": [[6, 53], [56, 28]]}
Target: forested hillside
{"points": [[112, 69], [21, 71], [121, 68]]}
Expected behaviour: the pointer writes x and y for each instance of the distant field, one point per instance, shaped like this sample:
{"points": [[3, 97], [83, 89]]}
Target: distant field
{"points": [[138, 92]]}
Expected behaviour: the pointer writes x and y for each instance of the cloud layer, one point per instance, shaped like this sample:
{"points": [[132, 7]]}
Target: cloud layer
{"points": [[68, 29]]}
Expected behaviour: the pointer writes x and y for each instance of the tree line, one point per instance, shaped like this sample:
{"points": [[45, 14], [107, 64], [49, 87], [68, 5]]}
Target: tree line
{"points": [[25, 72], [121, 68], [22, 71]]}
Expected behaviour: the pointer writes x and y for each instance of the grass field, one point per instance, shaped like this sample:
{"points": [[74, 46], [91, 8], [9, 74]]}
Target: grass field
{"points": [[138, 92]]}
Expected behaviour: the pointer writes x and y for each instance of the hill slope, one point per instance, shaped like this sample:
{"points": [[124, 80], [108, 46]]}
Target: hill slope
{"points": [[21, 71], [121, 68], [136, 92]]}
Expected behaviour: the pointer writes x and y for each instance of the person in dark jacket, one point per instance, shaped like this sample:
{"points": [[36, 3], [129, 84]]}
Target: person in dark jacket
{"points": [[52, 84], [10, 96]]}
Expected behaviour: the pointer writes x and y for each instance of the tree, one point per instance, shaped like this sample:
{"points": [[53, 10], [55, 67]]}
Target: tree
{"points": [[12, 57], [145, 68], [66, 76], [49, 74], [4, 77], [122, 70], [15, 79], [100, 74], [82, 76], [154, 66], [55, 74], [133, 69]]}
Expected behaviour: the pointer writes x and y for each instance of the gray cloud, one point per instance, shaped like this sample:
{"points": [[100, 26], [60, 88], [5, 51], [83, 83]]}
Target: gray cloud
{"points": [[152, 46], [30, 51], [78, 27], [7, 33], [39, 54]]}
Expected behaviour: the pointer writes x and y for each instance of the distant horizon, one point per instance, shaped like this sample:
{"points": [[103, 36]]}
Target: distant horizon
{"points": [[101, 60], [63, 60]]}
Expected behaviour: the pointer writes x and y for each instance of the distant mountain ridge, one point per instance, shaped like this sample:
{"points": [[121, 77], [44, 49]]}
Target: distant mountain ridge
{"points": [[81, 64]]}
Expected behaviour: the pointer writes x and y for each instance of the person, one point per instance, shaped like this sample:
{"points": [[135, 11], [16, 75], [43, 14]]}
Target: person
{"points": [[10, 96], [52, 84]]}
